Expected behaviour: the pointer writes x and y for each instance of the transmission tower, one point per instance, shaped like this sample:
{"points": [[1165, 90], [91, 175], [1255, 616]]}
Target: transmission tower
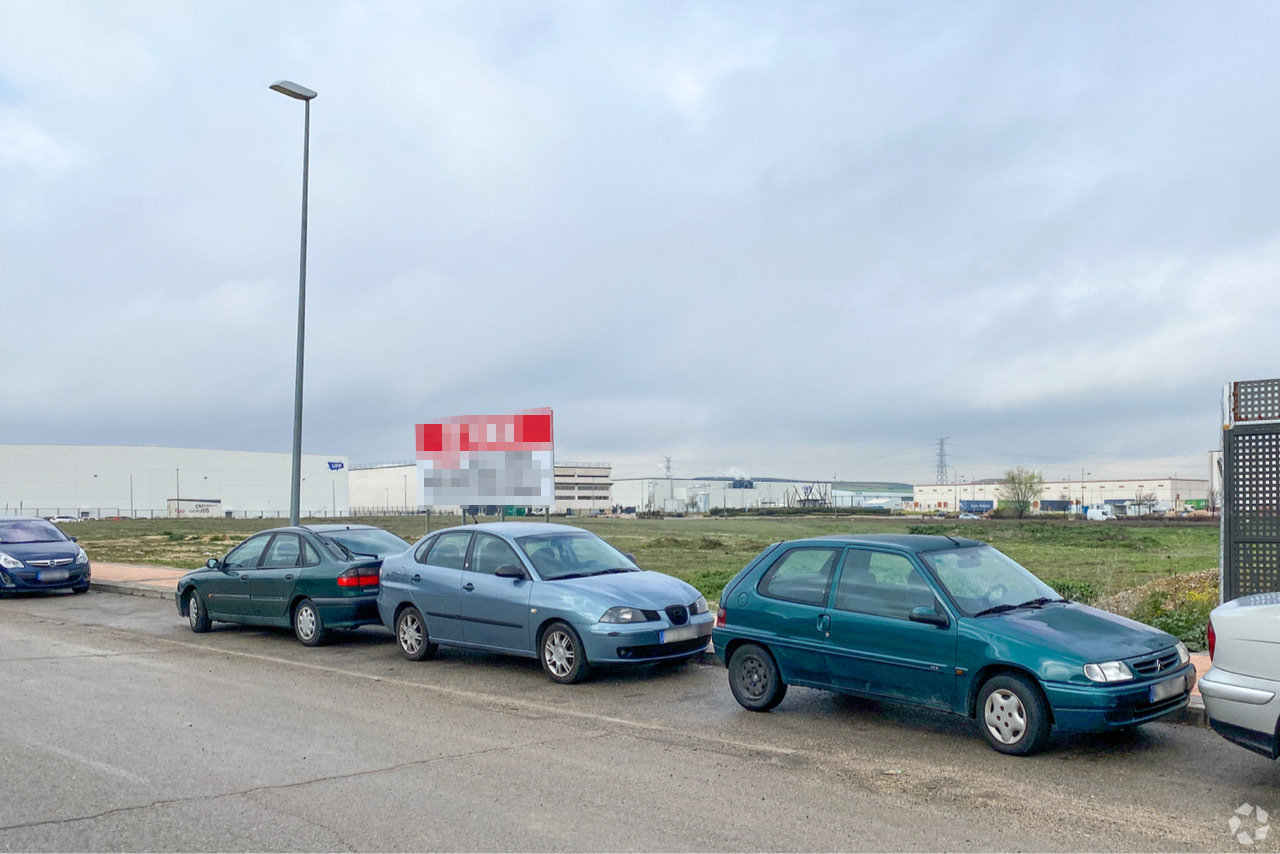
{"points": [[941, 475]]}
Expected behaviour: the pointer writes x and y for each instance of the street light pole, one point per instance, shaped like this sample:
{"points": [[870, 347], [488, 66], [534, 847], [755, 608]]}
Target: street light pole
{"points": [[301, 93]]}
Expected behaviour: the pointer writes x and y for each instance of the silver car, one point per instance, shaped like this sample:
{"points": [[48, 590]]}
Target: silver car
{"points": [[1242, 690]]}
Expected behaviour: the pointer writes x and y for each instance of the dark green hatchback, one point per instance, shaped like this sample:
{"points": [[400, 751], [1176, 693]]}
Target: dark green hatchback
{"points": [[947, 623], [311, 578]]}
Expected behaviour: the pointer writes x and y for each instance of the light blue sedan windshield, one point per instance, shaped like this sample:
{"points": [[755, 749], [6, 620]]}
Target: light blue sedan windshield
{"points": [[572, 555], [979, 578]]}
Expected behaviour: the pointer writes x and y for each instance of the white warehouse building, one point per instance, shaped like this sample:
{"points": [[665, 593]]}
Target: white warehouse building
{"points": [[1124, 497], [106, 481]]}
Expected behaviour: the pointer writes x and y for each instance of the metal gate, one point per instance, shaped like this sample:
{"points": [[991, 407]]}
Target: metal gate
{"points": [[1250, 489]]}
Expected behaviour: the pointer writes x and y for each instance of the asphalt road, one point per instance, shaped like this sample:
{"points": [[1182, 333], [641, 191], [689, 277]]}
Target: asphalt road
{"points": [[122, 730]]}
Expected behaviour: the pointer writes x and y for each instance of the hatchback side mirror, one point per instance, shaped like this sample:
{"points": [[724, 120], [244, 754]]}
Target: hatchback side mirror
{"points": [[510, 570], [212, 563], [925, 614]]}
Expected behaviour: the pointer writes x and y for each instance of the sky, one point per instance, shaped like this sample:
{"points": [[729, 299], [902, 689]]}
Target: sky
{"points": [[773, 239]]}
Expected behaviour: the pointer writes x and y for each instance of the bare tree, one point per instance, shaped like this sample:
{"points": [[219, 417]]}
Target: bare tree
{"points": [[1020, 488]]}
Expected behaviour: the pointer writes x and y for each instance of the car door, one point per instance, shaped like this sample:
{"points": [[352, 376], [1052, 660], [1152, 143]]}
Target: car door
{"points": [[226, 592], [874, 647], [434, 584], [495, 611], [793, 615], [271, 584]]}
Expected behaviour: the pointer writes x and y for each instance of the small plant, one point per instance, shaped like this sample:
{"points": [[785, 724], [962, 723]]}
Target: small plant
{"points": [[1074, 589], [1187, 620]]}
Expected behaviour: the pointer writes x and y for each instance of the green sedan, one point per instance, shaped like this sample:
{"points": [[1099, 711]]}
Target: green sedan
{"points": [[311, 578]]}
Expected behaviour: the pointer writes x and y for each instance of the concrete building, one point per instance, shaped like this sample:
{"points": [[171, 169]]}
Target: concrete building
{"points": [[579, 489], [104, 481], [704, 494], [1127, 497]]}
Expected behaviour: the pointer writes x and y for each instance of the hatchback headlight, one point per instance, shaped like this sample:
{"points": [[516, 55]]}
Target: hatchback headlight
{"points": [[1183, 655], [625, 615], [699, 607], [81, 558], [1108, 671], [9, 561]]}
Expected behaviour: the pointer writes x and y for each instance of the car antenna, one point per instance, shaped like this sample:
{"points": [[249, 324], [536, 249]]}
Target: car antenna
{"points": [[953, 540]]}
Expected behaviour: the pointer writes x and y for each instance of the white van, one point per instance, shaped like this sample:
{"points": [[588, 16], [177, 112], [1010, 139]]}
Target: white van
{"points": [[1100, 514]]}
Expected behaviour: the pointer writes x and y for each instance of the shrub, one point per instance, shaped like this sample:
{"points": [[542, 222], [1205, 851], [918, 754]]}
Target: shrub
{"points": [[1071, 588], [1187, 620]]}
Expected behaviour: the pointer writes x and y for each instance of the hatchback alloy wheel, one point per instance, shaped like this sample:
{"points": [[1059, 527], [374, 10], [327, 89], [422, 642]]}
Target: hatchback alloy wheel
{"points": [[562, 656]]}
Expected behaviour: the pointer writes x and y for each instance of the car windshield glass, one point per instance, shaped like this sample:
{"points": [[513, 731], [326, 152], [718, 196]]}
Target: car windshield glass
{"points": [[378, 543], [572, 555], [980, 578], [30, 531]]}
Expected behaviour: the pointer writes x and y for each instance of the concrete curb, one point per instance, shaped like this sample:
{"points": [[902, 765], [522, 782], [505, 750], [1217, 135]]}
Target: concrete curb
{"points": [[125, 588], [1192, 714]]}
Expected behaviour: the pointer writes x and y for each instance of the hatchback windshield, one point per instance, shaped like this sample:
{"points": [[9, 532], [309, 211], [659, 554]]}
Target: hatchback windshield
{"points": [[376, 543], [573, 555], [980, 578], [30, 531]]}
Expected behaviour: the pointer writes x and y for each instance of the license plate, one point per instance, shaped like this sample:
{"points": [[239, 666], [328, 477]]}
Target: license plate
{"points": [[683, 633], [1168, 688], [53, 575]]}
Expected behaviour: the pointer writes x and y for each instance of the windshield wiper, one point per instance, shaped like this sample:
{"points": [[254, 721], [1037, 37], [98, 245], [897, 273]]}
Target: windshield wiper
{"points": [[570, 575], [1006, 607], [616, 569], [997, 609]]}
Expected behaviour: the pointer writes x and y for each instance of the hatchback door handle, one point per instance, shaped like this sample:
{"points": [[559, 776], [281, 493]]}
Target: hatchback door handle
{"points": [[416, 578], [468, 587], [288, 578], [824, 622], [244, 578]]}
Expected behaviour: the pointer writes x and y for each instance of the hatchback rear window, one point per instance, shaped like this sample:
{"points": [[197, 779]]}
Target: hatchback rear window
{"points": [[801, 575]]}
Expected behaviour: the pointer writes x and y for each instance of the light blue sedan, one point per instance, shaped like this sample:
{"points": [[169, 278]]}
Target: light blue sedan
{"points": [[552, 592]]}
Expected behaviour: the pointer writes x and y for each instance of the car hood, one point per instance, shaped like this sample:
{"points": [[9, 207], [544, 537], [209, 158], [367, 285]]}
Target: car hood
{"points": [[1075, 631], [650, 590], [40, 551]]}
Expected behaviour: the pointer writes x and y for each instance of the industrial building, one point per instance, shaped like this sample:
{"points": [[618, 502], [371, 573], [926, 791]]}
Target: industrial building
{"points": [[1126, 497], [382, 488], [704, 494], [109, 481]]}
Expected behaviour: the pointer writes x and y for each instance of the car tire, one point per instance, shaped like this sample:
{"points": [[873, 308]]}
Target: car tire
{"points": [[197, 613], [561, 653], [411, 635], [308, 627], [1013, 715], [754, 678]]}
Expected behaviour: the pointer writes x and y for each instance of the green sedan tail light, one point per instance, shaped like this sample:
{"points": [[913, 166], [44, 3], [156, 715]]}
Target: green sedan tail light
{"points": [[359, 576]]}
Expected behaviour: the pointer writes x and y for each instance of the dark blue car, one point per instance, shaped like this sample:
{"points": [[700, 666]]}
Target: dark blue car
{"points": [[36, 555]]}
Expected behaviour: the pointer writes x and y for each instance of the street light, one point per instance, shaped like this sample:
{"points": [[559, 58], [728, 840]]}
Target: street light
{"points": [[301, 93]]}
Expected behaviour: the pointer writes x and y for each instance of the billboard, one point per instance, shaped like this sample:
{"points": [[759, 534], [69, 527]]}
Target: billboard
{"points": [[471, 460]]}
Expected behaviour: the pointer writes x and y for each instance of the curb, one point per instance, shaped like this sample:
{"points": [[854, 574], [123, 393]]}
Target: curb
{"points": [[1192, 714], [125, 588]]}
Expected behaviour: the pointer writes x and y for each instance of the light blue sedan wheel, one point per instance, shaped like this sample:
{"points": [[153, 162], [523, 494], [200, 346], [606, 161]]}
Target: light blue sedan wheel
{"points": [[561, 653]]}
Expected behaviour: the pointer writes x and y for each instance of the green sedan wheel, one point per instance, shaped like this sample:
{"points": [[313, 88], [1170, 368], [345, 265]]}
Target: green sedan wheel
{"points": [[1014, 716], [307, 625], [197, 614]]}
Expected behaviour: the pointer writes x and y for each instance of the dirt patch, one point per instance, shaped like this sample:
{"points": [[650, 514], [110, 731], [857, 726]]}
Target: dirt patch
{"points": [[1178, 588]]}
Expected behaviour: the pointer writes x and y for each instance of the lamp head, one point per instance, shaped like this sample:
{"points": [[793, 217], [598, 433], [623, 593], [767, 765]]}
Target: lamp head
{"points": [[293, 90]]}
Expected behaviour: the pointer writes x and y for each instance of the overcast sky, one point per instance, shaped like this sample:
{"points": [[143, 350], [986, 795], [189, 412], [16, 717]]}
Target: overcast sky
{"points": [[783, 239]]}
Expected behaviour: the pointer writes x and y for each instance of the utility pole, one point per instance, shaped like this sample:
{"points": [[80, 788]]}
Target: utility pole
{"points": [[940, 475]]}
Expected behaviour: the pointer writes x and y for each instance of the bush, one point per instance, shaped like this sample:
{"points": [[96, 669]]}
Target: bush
{"points": [[1074, 589], [1187, 620]]}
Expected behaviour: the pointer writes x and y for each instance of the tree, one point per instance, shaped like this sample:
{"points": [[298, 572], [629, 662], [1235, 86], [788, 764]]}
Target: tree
{"points": [[1019, 488]]}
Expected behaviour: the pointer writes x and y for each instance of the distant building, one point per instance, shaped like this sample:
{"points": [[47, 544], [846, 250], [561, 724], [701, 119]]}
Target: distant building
{"points": [[380, 488], [1130, 497], [107, 481], [704, 494]]}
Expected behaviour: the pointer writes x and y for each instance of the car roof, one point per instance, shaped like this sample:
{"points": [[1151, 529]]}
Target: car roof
{"points": [[919, 543], [330, 529], [519, 529], [26, 518]]}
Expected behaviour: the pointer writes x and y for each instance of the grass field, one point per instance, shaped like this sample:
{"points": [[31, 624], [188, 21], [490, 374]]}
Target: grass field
{"points": [[706, 552]]}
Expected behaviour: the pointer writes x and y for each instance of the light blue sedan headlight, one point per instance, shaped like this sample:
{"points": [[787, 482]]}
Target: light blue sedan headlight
{"points": [[699, 607], [628, 615]]}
